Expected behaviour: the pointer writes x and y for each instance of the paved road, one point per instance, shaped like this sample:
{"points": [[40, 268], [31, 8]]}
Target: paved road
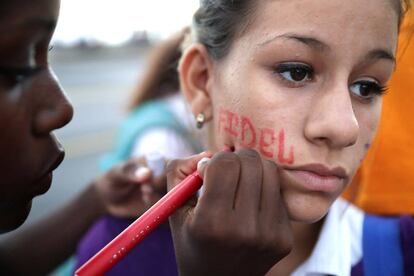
{"points": [[98, 83]]}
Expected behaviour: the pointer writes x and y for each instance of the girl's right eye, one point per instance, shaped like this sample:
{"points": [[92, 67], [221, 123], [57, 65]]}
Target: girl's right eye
{"points": [[295, 73], [11, 76]]}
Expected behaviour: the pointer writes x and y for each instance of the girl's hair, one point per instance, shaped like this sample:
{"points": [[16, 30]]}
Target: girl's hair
{"points": [[217, 22], [160, 77]]}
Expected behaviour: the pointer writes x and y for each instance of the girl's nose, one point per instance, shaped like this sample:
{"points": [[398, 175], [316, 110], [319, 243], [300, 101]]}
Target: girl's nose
{"points": [[53, 109], [332, 120]]}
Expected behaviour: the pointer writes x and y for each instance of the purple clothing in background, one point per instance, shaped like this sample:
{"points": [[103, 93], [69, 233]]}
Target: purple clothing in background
{"points": [[153, 256], [358, 269], [406, 225], [407, 241]]}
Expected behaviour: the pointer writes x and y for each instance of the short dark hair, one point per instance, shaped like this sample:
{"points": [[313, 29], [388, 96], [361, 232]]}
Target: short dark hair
{"points": [[216, 23]]}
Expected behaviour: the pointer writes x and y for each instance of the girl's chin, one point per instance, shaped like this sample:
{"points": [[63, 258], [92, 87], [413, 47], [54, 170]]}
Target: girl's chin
{"points": [[305, 208], [13, 216]]}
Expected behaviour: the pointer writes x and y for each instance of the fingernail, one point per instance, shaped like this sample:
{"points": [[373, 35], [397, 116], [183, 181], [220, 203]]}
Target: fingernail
{"points": [[142, 173], [201, 164]]}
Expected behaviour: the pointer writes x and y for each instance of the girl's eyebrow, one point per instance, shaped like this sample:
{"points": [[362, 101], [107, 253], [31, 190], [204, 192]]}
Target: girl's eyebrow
{"points": [[380, 54], [30, 27], [323, 47], [42, 23], [307, 40]]}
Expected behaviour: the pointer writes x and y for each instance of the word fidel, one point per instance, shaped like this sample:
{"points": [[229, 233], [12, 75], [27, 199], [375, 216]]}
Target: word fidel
{"points": [[241, 128]]}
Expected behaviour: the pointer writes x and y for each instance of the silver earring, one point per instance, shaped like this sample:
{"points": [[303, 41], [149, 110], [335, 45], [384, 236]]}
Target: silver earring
{"points": [[200, 119]]}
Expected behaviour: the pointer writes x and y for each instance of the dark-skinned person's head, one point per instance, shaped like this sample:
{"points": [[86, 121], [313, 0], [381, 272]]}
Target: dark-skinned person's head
{"points": [[32, 106], [298, 81]]}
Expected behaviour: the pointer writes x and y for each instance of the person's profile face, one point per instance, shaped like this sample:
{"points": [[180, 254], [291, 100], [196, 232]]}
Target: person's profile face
{"points": [[32, 105], [301, 85]]}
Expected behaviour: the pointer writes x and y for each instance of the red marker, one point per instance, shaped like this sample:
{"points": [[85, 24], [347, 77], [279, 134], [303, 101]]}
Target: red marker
{"points": [[114, 251]]}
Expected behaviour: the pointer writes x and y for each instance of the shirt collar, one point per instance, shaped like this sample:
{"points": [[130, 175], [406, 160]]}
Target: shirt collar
{"points": [[333, 253]]}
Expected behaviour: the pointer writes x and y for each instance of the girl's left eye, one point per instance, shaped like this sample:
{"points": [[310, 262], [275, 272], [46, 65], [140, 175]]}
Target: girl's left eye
{"points": [[367, 90], [295, 73]]}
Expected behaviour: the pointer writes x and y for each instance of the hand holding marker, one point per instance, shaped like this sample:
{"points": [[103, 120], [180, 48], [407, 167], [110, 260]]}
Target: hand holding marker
{"points": [[145, 224]]}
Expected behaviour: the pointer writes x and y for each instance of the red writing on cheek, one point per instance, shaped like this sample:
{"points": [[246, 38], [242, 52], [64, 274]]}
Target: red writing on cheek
{"points": [[232, 123], [242, 128], [281, 158], [267, 140], [228, 122], [248, 133], [222, 119]]}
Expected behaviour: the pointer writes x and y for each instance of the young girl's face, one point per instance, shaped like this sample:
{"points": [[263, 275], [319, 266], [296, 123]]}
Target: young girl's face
{"points": [[302, 86], [32, 105]]}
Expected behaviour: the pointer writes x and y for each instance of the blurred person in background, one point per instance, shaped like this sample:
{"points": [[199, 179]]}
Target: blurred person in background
{"points": [[158, 122]]}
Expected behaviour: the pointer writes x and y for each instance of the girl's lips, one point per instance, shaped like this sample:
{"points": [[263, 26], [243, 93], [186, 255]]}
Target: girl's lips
{"points": [[43, 183], [317, 178]]}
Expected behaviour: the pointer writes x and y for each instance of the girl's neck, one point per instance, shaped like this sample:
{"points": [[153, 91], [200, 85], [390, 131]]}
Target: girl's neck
{"points": [[305, 237]]}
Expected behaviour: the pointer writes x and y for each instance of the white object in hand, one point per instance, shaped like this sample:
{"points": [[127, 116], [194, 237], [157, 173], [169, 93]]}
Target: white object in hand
{"points": [[156, 163]]}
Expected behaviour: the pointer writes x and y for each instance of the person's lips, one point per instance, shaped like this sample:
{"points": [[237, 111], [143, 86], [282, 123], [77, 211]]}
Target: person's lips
{"points": [[318, 177], [58, 160], [44, 182]]}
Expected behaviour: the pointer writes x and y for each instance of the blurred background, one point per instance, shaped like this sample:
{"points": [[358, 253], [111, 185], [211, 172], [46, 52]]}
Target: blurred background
{"points": [[99, 49]]}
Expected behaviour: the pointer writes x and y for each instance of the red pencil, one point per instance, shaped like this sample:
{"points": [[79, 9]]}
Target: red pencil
{"points": [[142, 227]]}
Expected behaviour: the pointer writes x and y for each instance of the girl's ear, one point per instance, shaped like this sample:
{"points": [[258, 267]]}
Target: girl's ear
{"points": [[195, 70]]}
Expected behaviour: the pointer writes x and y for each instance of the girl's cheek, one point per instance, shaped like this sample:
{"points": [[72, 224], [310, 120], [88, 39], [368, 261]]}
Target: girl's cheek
{"points": [[240, 131]]}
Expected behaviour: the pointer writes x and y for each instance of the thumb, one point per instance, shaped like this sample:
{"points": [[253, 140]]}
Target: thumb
{"points": [[179, 169]]}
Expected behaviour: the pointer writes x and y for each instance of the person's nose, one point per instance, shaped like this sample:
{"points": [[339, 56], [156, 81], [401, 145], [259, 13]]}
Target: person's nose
{"points": [[53, 109], [332, 120]]}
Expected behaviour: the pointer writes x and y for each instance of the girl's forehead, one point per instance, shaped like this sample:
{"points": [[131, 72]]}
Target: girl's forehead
{"points": [[326, 19], [283, 11]]}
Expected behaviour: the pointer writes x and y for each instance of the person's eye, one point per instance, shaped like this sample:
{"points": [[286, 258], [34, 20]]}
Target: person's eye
{"points": [[11, 76], [295, 73], [367, 90]]}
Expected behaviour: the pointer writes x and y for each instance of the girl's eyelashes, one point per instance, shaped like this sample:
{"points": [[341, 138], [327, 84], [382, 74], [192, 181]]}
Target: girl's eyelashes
{"points": [[11, 76], [294, 73], [367, 89], [37, 60], [297, 74]]}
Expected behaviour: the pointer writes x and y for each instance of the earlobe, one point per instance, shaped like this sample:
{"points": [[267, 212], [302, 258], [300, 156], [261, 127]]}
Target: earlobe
{"points": [[195, 79]]}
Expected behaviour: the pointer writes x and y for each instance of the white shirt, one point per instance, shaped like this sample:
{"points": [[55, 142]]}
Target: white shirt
{"points": [[339, 246], [166, 141]]}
